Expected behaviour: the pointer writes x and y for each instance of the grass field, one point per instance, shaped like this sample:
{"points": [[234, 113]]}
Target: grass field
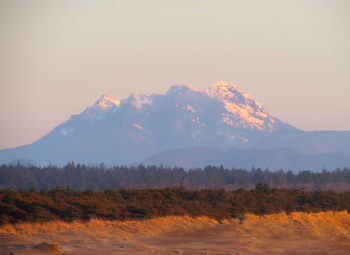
{"points": [[296, 233]]}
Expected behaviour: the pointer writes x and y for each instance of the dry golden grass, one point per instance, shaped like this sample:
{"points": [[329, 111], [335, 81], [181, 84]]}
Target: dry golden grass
{"points": [[330, 225], [320, 224], [296, 233], [104, 227]]}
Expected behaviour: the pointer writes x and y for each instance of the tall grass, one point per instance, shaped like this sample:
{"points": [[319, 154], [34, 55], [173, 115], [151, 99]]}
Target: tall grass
{"points": [[322, 224]]}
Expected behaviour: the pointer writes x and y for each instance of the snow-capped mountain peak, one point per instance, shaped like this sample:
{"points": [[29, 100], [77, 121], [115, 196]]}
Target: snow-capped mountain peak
{"points": [[127, 130], [103, 105], [107, 101], [226, 90], [238, 109], [123, 132], [241, 109]]}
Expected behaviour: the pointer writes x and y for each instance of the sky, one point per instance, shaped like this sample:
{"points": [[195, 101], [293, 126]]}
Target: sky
{"points": [[58, 57]]}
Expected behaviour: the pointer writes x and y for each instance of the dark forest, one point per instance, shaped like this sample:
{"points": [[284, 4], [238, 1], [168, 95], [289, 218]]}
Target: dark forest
{"points": [[83, 177]]}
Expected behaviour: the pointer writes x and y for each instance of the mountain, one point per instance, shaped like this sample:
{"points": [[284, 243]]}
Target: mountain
{"points": [[309, 141], [274, 159], [126, 131]]}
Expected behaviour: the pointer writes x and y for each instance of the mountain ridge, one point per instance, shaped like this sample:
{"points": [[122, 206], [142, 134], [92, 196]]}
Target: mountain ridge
{"points": [[273, 159]]}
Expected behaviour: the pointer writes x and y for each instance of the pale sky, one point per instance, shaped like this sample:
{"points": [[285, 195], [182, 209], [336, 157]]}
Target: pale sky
{"points": [[58, 57]]}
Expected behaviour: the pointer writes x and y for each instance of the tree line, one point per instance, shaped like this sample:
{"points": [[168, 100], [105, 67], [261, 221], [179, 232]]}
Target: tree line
{"points": [[82, 177]]}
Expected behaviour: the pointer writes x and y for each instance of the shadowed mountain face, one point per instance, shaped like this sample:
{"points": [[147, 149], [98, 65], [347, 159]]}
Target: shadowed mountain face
{"points": [[126, 131]]}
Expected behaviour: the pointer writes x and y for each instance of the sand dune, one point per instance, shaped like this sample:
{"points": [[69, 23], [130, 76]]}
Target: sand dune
{"points": [[297, 233]]}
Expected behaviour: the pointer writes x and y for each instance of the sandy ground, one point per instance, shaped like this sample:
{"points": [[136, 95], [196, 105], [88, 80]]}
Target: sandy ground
{"points": [[298, 233]]}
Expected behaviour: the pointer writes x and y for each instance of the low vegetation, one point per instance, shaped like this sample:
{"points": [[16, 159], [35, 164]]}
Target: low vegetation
{"points": [[66, 204]]}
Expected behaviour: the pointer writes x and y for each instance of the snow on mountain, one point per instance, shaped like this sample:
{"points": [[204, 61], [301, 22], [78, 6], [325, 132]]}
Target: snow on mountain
{"points": [[102, 106], [236, 107], [140, 100], [241, 109], [125, 131]]}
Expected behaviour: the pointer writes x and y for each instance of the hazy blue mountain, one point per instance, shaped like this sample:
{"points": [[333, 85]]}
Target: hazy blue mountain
{"points": [[308, 141], [274, 159], [189, 157], [126, 131]]}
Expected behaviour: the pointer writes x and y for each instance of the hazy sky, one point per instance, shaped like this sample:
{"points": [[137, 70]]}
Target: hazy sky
{"points": [[58, 57]]}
